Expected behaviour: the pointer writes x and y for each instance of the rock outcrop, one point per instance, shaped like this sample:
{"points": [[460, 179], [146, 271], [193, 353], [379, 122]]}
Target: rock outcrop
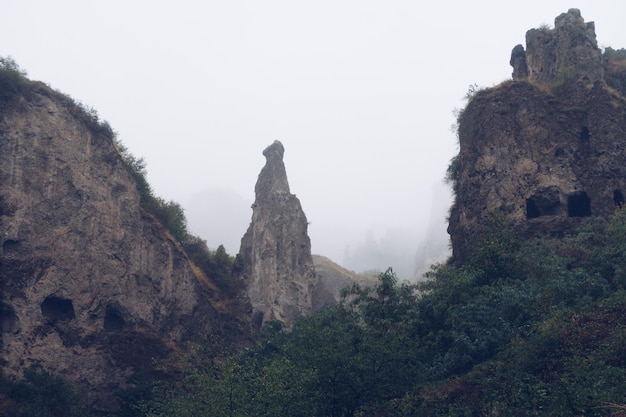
{"points": [[548, 148], [568, 50], [275, 254], [92, 287]]}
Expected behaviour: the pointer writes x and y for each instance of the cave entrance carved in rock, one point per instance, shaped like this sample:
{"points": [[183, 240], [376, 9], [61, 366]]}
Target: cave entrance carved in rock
{"points": [[57, 309], [578, 205], [545, 201]]}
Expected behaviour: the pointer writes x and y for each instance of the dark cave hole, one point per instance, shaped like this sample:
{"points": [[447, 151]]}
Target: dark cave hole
{"points": [[257, 320], [113, 319], [578, 205], [584, 133], [57, 309], [618, 198], [8, 318], [9, 246], [532, 211], [545, 201], [559, 152]]}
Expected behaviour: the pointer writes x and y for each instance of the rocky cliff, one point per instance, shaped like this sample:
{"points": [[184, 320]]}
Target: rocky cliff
{"points": [[549, 147], [275, 252], [92, 286]]}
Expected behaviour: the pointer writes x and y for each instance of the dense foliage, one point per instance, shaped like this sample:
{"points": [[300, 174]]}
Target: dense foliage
{"points": [[524, 328], [12, 77], [40, 394]]}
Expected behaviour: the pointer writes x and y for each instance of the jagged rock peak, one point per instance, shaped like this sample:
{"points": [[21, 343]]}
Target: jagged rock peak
{"points": [[275, 254], [273, 177], [570, 50], [275, 150]]}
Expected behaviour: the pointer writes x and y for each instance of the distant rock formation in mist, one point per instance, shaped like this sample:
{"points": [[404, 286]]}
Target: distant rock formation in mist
{"points": [[333, 278], [275, 255], [395, 249]]}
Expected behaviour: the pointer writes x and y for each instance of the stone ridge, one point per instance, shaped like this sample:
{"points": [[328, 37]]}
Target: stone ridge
{"points": [[546, 151], [275, 252]]}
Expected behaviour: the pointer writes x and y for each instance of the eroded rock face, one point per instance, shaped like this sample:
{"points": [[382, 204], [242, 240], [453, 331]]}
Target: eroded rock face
{"points": [[570, 50], [91, 286], [276, 250], [544, 154]]}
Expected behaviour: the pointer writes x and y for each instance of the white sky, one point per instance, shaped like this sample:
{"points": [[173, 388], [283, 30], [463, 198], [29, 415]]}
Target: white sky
{"points": [[360, 92]]}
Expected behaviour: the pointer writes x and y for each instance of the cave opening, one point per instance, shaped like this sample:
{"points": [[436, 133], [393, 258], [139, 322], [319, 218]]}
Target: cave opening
{"points": [[578, 205], [618, 198], [113, 320], [10, 246], [546, 201], [57, 309], [584, 133], [532, 211], [8, 318]]}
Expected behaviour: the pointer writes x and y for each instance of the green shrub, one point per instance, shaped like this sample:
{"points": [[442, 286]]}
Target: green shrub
{"points": [[12, 77], [42, 394]]}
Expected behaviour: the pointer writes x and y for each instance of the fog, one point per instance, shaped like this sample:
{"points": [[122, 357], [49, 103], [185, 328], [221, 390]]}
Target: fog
{"points": [[361, 94]]}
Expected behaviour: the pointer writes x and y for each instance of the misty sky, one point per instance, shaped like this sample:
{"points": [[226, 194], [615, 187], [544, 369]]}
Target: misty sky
{"points": [[361, 93]]}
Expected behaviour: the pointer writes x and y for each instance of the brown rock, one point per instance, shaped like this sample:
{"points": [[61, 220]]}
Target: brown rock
{"points": [[91, 286], [276, 250], [542, 153], [570, 50]]}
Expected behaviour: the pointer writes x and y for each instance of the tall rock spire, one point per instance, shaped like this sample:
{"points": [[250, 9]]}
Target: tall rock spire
{"points": [[275, 252]]}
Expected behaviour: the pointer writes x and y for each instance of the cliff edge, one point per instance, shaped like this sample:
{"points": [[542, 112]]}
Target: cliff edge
{"points": [[92, 286], [548, 148]]}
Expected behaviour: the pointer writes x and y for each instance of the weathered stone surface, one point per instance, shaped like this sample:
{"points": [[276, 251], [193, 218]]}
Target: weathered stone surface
{"points": [[276, 250], [570, 50], [518, 62], [91, 286], [544, 154]]}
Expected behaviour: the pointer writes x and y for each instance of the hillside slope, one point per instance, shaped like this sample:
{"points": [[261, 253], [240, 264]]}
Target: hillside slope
{"points": [[92, 286]]}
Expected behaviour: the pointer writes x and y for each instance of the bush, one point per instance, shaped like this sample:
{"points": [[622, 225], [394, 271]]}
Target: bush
{"points": [[12, 77], [41, 394]]}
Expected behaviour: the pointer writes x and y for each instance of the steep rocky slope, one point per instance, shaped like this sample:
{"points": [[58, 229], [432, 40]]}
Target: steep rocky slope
{"points": [[91, 285], [547, 148]]}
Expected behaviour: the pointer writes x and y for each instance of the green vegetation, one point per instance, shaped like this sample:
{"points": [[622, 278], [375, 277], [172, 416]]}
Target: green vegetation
{"points": [[12, 77], [216, 264], [40, 394], [524, 328]]}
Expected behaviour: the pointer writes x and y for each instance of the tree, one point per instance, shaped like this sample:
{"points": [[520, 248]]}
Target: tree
{"points": [[12, 77]]}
